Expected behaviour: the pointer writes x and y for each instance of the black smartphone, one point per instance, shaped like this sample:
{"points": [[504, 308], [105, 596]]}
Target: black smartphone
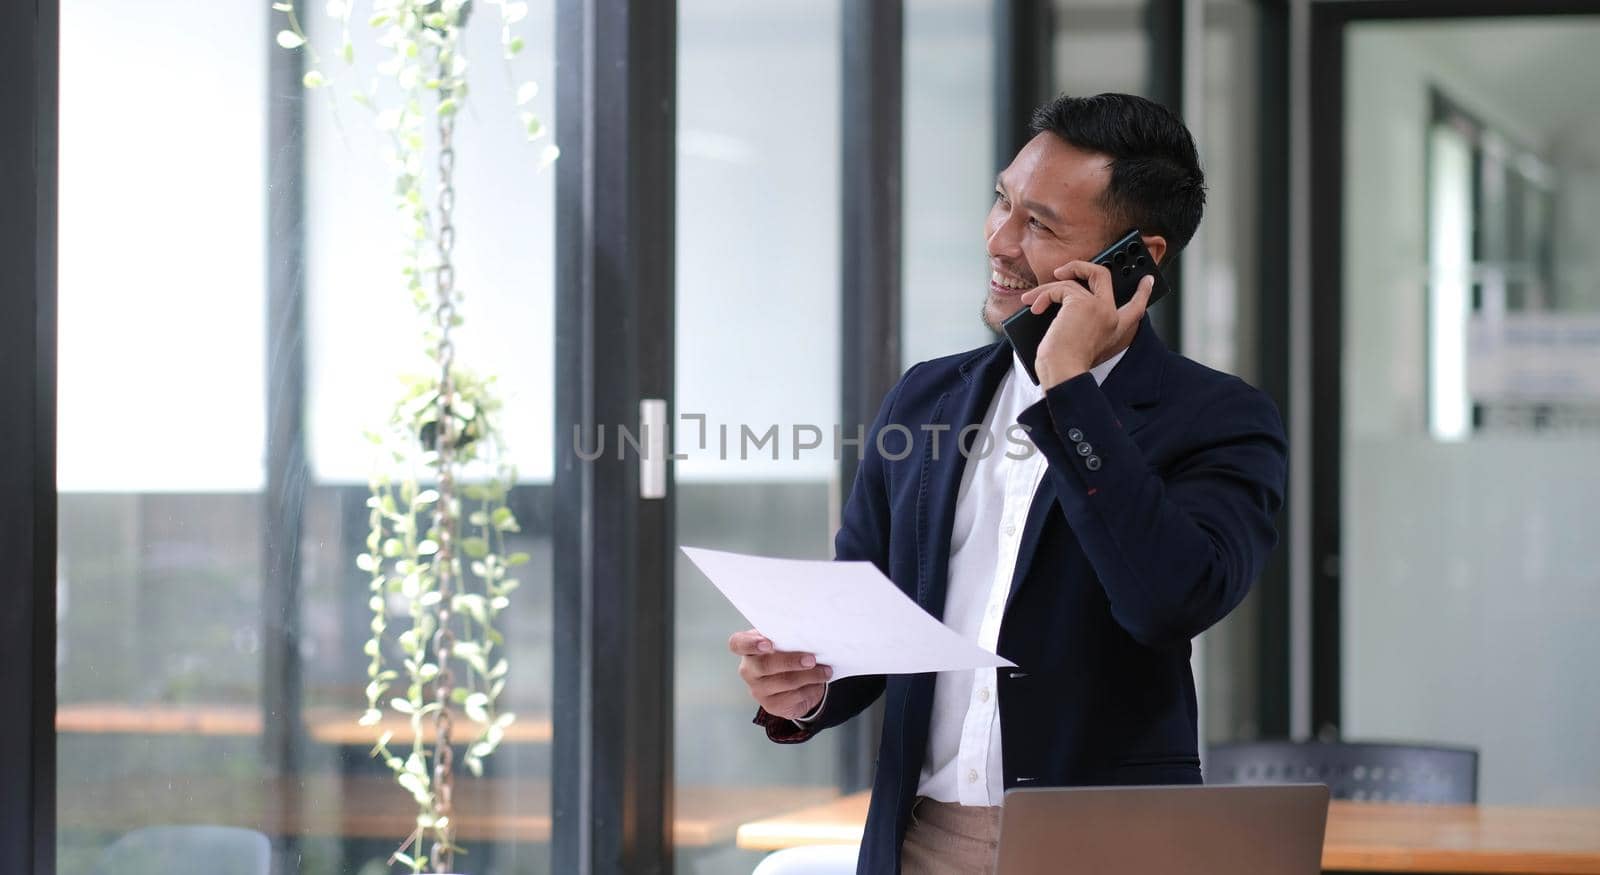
{"points": [[1130, 263]]}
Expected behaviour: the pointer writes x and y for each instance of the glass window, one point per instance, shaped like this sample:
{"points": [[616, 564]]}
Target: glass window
{"points": [[173, 595], [757, 350], [1471, 344], [949, 168], [1102, 45], [1218, 300]]}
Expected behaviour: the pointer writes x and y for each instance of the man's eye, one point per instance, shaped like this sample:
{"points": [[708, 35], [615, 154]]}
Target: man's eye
{"points": [[1000, 196], [1038, 224]]}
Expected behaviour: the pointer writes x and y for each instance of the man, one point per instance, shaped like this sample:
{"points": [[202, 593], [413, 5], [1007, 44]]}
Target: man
{"points": [[1139, 517]]}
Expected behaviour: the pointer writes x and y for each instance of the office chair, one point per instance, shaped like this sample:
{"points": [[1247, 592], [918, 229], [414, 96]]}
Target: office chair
{"points": [[165, 850], [1359, 771], [811, 860]]}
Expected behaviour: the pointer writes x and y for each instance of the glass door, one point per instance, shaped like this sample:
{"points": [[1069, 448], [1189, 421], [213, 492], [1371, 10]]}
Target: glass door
{"points": [[235, 320], [1471, 401], [757, 380]]}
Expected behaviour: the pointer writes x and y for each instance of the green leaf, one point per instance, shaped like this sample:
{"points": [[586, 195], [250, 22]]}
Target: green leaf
{"points": [[532, 125], [475, 706], [504, 520], [477, 548], [283, 7], [379, 20], [370, 718], [471, 604], [427, 547], [447, 106], [404, 706], [417, 786], [518, 558], [515, 46], [313, 79], [475, 766], [365, 562], [290, 40], [549, 155], [526, 92]]}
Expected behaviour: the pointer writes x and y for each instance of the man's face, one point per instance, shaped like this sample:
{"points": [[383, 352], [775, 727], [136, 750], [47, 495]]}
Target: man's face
{"points": [[1047, 211]]}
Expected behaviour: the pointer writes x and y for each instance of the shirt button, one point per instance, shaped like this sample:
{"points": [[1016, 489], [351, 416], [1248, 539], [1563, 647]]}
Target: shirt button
{"points": [[972, 776], [1010, 529], [983, 694]]}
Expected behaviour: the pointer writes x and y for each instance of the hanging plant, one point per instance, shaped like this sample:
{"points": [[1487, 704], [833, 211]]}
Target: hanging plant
{"points": [[440, 573]]}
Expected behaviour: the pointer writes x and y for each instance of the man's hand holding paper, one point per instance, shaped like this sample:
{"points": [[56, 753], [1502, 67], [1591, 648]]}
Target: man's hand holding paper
{"points": [[822, 620]]}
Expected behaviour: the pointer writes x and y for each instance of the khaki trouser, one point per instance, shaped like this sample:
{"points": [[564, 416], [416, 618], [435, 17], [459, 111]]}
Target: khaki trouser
{"points": [[949, 839]]}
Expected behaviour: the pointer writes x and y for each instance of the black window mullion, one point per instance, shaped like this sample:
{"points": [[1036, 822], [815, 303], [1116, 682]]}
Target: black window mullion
{"points": [[1024, 70], [614, 551], [29, 54]]}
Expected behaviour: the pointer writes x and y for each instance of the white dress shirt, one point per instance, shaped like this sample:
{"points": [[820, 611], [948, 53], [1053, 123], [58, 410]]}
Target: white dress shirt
{"points": [[963, 762]]}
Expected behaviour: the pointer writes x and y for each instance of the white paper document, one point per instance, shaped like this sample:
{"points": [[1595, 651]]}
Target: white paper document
{"points": [[847, 613]]}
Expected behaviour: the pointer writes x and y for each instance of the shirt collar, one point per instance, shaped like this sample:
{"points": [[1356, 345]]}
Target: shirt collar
{"points": [[1100, 371]]}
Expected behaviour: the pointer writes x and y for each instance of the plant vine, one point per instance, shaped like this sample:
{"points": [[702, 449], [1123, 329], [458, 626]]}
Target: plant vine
{"points": [[438, 561]]}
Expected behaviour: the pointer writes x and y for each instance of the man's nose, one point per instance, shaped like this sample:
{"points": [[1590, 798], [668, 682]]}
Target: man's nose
{"points": [[1005, 239]]}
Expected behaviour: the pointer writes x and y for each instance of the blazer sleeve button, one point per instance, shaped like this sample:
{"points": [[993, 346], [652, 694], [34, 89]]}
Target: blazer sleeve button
{"points": [[1084, 449], [1092, 463]]}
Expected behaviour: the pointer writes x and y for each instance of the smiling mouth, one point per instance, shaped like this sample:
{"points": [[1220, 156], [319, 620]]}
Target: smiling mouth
{"points": [[1002, 284]]}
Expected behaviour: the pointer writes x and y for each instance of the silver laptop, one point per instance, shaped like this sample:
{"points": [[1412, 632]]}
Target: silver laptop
{"points": [[1195, 830]]}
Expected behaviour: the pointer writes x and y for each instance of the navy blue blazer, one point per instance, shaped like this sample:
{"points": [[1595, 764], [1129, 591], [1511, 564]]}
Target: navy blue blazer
{"points": [[1154, 518]]}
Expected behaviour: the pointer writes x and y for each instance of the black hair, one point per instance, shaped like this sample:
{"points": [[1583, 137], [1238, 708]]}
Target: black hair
{"points": [[1156, 183]]}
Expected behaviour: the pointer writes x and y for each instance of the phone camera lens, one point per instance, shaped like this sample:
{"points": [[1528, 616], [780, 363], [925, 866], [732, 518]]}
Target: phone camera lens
{"points": [[1134, 246], [1126, 270], [1139, 261], [1121, 258]]}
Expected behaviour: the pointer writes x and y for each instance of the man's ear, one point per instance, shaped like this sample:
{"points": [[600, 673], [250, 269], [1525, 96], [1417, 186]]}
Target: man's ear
{"points": [[1157, 246]]}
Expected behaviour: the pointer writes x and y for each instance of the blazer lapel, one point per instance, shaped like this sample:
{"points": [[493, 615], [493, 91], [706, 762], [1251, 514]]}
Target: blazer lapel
{"points": [[1133, 384], [959, 408]]}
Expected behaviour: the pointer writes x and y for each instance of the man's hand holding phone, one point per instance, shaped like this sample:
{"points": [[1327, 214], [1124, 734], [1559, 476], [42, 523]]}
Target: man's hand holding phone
{"points": [[1090, 327], [786, 684]]}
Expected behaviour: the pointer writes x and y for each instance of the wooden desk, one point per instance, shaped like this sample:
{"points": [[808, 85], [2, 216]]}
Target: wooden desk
{"points": [[325, 725], [373, 807], [1362, 837]]}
